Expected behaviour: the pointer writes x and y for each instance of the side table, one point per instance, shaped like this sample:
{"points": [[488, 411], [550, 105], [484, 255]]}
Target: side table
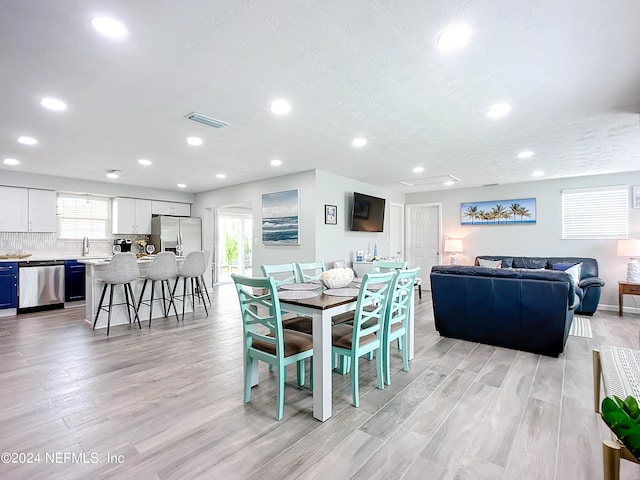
{"points": [[626, 288]]}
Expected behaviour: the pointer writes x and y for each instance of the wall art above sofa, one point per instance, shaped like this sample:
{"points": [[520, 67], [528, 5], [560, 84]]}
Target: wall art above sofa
{"points": [[519, 211]]}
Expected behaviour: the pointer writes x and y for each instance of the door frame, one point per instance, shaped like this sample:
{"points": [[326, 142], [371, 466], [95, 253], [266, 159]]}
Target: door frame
{"points": [[409, 226], [402, 230]]}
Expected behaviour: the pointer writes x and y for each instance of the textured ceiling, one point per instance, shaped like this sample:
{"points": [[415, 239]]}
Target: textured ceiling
{"points": [[570, 69]]}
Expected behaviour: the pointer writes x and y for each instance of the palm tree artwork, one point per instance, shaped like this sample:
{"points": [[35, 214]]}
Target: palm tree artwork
{"points": [[521, 211]]}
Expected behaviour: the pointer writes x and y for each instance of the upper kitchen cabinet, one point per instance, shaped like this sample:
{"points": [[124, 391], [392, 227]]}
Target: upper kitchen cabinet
{"points": [[42, 211], [27, 210], [15, 209], [170, 208], [131, 215]]}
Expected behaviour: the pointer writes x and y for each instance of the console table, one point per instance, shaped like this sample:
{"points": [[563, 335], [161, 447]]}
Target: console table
{"points": [[626, 288]]}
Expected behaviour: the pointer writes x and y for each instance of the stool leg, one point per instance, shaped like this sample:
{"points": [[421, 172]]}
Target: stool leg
{"points": [[144, 286], [126, 299], [193, 295], [204, 287], [104, 290], [110, 306], [173, 294], [135, 310], [184, 294], [172, 300], [164, 300], [420, 291], [201, 295], [153, 284]]}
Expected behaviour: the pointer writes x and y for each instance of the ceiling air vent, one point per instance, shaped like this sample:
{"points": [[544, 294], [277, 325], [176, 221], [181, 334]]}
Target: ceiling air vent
{"points": [[212, 122]]}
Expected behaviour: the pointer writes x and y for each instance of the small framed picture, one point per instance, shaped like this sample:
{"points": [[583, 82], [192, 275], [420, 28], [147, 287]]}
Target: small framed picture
{"points": [[330, 214], [635, 197]]}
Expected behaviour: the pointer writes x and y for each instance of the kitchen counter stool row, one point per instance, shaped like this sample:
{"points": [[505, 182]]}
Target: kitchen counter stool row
{"points": [[123, 270]]}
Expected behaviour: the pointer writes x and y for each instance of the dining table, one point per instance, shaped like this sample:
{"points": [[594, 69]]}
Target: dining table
{"points": [[321, 308]]}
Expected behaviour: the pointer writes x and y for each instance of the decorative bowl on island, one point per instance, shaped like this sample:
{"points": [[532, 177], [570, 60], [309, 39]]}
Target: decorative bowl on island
{"points": [[337, 277]]}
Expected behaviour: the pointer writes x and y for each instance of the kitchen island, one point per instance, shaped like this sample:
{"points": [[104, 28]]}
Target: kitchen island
{"points": [[95, 269]]}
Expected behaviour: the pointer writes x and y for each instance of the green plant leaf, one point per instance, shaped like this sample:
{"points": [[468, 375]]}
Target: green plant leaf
{"points": [[617, 415], [631, 407]]}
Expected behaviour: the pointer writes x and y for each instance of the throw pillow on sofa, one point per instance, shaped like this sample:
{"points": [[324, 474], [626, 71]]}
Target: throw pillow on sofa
{"points": [[490, 263], [573, 269]]}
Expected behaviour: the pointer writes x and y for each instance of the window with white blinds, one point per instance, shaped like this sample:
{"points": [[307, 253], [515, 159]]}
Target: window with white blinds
{"points": [[83, 216], [601, 212]]}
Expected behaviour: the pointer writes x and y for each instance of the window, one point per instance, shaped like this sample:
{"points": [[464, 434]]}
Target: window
{"points": [[83, 216], [601, 212]]}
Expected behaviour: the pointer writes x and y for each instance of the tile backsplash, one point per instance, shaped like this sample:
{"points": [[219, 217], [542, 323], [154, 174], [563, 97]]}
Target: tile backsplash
{"points": [[48, 244]]}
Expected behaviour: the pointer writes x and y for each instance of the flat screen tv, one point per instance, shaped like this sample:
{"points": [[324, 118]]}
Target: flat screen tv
{"points": [[367, 214]]}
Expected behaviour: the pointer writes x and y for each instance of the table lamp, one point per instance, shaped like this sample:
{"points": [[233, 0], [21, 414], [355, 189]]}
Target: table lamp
{"points": [[631, 248], [453, 246]]}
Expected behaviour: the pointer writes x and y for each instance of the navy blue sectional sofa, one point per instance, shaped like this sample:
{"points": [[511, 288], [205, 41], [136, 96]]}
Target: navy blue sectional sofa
{"points": [[588, 288], [528, 310]]}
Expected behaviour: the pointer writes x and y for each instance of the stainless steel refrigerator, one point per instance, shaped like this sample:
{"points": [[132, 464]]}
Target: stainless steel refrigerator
{"points": [[168, 232]]}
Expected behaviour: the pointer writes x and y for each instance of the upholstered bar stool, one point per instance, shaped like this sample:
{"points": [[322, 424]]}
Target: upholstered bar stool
{"points": [[122, 270], [192, 269], [161, 270]]}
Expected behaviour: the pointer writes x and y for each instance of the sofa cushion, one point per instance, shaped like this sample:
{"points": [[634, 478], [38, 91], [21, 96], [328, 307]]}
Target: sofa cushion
{"points": [[530, 262], [489, 263]]}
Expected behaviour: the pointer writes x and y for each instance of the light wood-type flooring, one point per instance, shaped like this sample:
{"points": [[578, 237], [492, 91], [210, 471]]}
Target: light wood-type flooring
{"points": [[166, 403]]}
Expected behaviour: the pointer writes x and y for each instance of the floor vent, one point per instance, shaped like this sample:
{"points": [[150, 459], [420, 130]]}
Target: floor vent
{"points": [[212, 122]]}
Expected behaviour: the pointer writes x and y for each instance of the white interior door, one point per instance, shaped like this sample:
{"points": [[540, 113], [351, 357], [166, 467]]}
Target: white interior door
{"points": [[423, 243], [396, 231]]}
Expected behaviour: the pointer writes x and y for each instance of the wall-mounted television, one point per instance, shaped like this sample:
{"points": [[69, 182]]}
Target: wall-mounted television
{"points": [[367, 214]]}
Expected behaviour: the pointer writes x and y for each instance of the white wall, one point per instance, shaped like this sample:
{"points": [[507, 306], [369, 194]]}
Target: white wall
{"points": [[206, 202], [317, 240], [338, 242], [544, 237]]}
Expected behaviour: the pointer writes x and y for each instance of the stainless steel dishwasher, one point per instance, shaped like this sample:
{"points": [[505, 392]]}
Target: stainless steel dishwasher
{"points": [[40, 284]]}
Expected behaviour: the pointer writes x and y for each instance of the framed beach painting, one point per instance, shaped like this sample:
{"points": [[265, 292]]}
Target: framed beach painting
{"points": [[520, 211], [280, 218]]}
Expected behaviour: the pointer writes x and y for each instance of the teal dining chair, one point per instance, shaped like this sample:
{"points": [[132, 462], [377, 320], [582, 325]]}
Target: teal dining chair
{"points": [[284, 274], [386, 265], [364, 336], [397, 318], [265, 340], [308, 272]]}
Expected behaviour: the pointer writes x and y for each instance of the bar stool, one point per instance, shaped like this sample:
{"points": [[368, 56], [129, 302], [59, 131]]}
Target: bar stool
{"points": [[161, 270], [122, 270], [193, 267]]}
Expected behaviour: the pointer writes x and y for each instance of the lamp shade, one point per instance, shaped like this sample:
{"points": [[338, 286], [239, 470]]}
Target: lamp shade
{"points": [[627, 248], [453, 245]]}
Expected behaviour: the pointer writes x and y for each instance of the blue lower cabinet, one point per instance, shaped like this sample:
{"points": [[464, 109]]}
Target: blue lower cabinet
{"points": [[74, 283], [8, 285]]}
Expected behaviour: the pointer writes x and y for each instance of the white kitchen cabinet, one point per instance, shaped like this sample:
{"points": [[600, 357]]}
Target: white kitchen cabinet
{"points": [[42, 210], [14, 205], [131, 215], [170, 208]]}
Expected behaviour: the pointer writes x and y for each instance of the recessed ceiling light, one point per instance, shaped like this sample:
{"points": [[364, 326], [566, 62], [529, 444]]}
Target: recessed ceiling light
{"points": [[455, 36], [448, 183], [195, 141], [525, 154], [11, 161], [280, 106], [27, 140], [145, 162], [109, 27], [498, 110], [112, 175], [53, 104], [537, 173], [181, 185], [276, 163], [418, 169], [359, 142], [220, 175]]}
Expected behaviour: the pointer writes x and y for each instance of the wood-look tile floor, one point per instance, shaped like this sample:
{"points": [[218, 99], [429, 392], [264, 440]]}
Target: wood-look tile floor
{"points": [[166, 403]]}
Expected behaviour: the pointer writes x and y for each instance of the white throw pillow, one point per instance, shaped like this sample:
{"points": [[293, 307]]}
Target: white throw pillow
{"points": [[575, 272], [490, 263]]}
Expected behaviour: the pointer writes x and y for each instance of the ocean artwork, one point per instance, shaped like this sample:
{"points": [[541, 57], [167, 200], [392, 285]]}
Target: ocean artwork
{"points": [[280, 218], [520, 211]]}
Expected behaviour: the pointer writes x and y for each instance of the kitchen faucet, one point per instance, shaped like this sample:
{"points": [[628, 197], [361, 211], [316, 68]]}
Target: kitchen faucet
{"points": [[85, 246]]}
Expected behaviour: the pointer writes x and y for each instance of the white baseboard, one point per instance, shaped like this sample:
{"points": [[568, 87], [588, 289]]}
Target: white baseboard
{"points": [[614, 308]]}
